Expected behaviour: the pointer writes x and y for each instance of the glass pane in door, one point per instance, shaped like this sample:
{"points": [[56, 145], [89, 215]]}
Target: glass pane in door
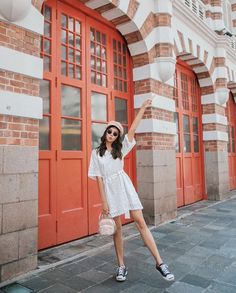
{"points": [[99, 106], [97, 131], [187, 143], [121, 110], [196, 144], [176, 120], [233, 139], [195, 125], [186, 125], [71, 134], [70, 101], [195, 135], [186, 128], [45, 95], [44, 131]]}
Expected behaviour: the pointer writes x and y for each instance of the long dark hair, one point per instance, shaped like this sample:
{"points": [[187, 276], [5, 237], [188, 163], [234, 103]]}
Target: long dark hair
{"points": [[116, 145]]}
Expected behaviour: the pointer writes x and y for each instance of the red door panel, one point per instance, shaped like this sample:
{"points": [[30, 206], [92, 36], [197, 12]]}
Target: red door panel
{"points": [[72, 203], [189, 146], [188, 180], [231, 116], [197, 179], [179, 180], [47, 203]]}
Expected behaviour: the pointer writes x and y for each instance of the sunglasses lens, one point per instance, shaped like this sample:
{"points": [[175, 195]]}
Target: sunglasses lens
{"points": [[113, 133]]}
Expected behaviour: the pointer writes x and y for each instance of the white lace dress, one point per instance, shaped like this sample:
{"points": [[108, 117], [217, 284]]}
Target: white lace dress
{"points": [[120, 193]]}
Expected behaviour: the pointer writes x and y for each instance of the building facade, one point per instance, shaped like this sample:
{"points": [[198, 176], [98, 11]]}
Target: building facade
{"points": [[68, 67]]}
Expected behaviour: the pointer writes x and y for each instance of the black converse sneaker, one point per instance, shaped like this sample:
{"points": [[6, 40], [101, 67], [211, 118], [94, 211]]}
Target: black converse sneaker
{"points": [[121, 273], [166, 274]]}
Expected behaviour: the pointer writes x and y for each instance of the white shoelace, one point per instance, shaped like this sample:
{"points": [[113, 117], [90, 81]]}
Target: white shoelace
{"points": [[165, 269], [121, 270]]}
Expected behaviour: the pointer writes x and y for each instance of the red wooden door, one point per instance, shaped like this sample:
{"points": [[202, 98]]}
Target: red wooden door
{"points": [[231, 116], [71, 125], [87, 82], [109, 91], [189, 148]]}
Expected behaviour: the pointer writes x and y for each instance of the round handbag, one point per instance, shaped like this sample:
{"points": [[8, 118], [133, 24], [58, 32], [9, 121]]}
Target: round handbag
{"points": [[106, 225]]}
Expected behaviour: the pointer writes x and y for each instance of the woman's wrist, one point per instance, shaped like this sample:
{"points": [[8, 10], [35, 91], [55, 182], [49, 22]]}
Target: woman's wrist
{"points": [[142, 109]]}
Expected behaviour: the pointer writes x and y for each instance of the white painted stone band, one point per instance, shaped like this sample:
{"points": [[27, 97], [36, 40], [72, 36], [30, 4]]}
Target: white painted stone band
{"points": [[205, 82], [150, 71], [209, 99], [145, 72], [15, 61], [20, 105], [215, 135], [34, 21], [155, 125], [158, 101], [214, 118], [219, 72], [220, 97]]}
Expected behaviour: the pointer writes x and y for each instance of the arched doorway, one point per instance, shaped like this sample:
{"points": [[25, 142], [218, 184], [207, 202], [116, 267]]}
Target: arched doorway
{"points": [[189, 146], [87, 82], [231, 117]]}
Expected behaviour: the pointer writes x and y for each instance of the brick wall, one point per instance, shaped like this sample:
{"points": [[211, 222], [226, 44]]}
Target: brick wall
{"points": [[18, 131], [18, 83], [19, 137], [155, 141], [19, 39]]}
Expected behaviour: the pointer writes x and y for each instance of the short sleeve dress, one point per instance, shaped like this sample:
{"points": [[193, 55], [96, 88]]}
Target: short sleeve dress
{"points": [[120, 193]]}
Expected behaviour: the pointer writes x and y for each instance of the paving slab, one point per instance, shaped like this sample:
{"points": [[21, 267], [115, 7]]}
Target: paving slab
{"points": [[181, 287], [217, 287]]}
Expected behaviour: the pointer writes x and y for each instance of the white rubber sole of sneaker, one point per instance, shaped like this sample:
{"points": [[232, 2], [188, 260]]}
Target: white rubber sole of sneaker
{"points": [[121, 279], [169, 279]]}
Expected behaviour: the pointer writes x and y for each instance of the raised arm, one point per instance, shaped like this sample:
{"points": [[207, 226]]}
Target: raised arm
{"points": [[138, 118]]}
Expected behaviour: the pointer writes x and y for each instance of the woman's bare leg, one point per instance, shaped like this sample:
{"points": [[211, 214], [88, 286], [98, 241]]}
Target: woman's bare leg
{"points": [[118, 241], [146, 235]]}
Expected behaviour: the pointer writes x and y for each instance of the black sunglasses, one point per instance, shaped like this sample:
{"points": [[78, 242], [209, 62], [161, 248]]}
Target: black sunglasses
{"points": [[114, 133]]}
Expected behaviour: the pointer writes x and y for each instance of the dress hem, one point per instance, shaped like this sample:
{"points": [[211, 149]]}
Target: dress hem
{"points": [[126, 211]]}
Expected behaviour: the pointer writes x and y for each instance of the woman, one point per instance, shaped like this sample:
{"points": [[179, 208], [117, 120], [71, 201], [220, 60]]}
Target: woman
{"points": [[117, 191]]}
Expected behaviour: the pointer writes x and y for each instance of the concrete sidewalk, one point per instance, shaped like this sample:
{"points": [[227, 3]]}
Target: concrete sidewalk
{"points": [[199, 247]]}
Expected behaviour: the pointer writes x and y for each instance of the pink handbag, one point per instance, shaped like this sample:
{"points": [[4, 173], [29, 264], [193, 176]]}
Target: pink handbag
{"points": [[106, 225]]}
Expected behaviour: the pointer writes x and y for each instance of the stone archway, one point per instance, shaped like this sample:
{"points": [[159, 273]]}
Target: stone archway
{"points": [[212, 76], [151, 55]]}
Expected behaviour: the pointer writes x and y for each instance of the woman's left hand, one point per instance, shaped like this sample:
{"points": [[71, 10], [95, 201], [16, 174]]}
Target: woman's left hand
{"points": [[147, 103]]}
